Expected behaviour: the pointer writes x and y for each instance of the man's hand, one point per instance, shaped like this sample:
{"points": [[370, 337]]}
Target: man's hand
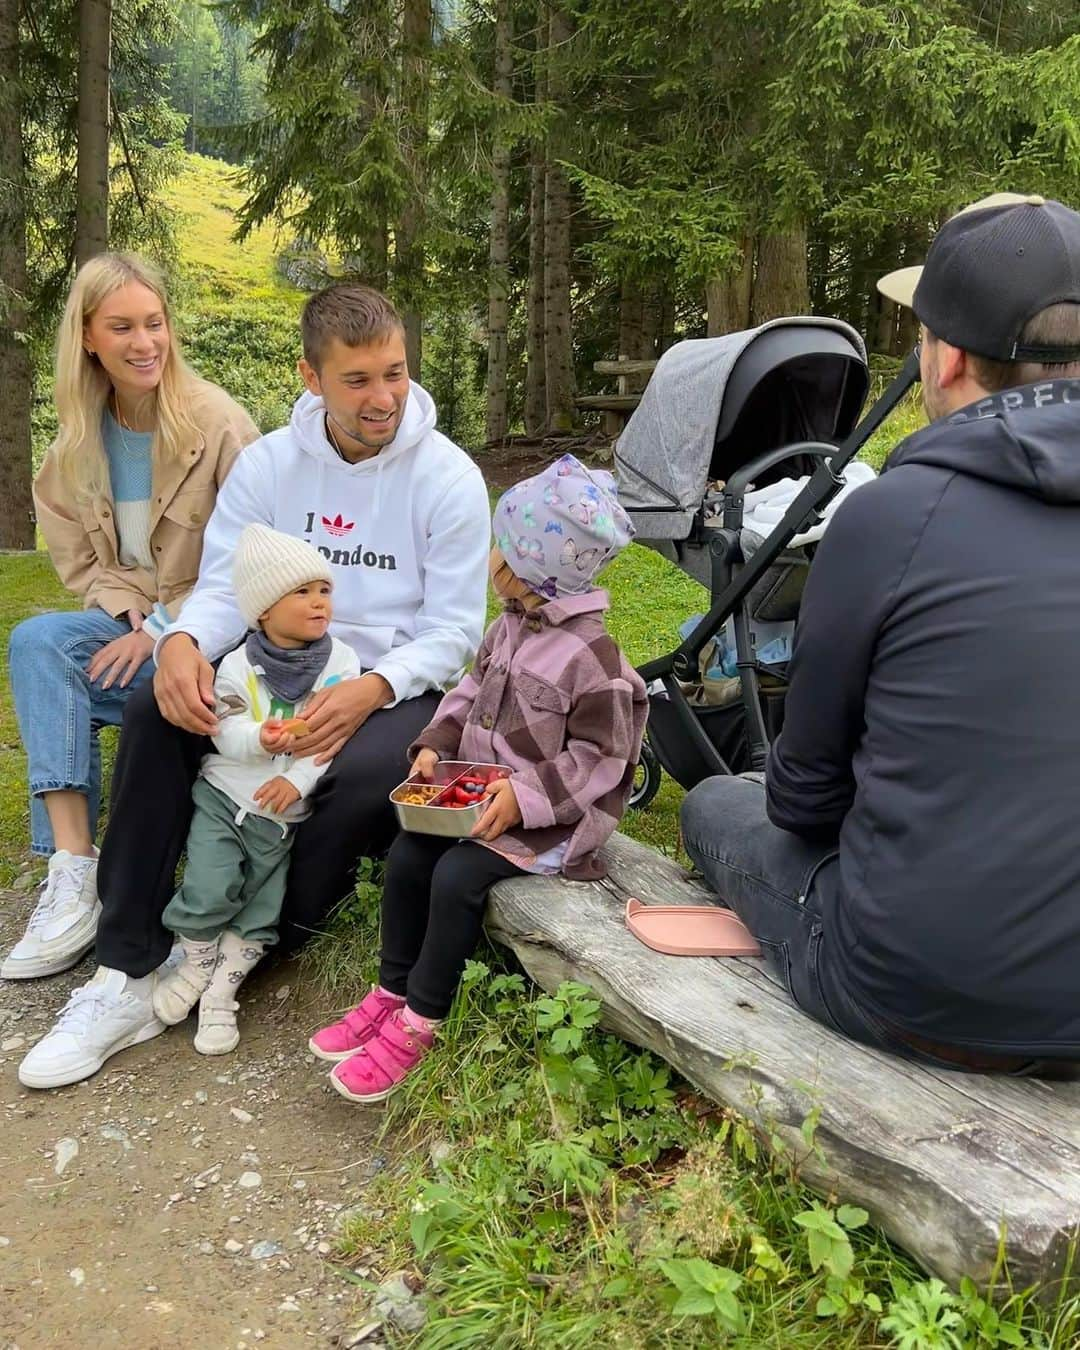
{"points": [[424, 764], [273, 739], [335, 713], [118, 661], [502, 812], [277, 795], [184, 686]]}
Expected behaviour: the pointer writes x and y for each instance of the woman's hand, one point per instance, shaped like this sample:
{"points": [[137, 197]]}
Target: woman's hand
{"points": [[424, 764], [118, 661], [502, 812]]}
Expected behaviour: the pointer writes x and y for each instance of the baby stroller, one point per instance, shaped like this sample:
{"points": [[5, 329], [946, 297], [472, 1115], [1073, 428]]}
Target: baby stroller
{"points": [[720, 418]]}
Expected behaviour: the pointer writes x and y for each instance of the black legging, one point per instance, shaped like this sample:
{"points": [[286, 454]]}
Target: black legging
{"points": [[151, 808], [434, 893]]}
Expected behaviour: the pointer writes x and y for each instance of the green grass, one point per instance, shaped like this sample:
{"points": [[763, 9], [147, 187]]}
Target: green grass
{"points": [[28, 585], [205, 197]]}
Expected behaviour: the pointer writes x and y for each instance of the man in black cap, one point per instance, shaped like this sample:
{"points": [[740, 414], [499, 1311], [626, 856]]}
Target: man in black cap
{"points": [[911, 868]]}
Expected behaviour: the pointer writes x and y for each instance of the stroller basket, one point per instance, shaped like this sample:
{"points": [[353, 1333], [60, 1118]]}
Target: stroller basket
{"points": [[720, 418]]}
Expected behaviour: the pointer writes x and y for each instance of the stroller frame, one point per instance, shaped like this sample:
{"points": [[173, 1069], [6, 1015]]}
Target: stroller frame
{"points": [[733, 581]]}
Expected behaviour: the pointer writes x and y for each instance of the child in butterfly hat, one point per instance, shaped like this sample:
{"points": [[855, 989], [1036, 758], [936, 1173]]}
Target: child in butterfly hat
{"points": [[553, 698]]}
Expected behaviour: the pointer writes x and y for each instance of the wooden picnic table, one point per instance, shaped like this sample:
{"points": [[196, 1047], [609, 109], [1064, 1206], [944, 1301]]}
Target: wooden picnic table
{"points": [[616, 407]]}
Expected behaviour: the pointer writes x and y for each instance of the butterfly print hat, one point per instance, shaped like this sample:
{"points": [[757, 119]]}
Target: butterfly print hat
{"points": [[560, 527]]}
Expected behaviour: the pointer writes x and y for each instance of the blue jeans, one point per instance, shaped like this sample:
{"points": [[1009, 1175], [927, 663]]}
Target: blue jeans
{"points": [[60, 711]]}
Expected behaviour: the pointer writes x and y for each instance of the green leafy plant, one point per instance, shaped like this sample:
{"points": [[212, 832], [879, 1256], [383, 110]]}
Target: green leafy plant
{"points": [[991, 1326], [827, 1236], [706, 1290], [924, 1316]]}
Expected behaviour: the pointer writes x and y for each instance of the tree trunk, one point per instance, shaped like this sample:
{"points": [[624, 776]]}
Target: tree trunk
{"points": [[499, 241], [558, 338], [16, 503], [667, 316], [780, 286], [727, 298], [652, 319], [882, 323], [631, 333], [92, 176], [408, 241], [193, 139], [535, 384]]}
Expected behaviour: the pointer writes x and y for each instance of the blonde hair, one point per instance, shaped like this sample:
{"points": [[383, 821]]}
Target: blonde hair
{"points": [[83, 387]]}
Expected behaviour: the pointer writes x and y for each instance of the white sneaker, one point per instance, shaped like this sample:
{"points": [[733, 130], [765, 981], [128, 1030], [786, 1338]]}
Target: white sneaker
{"points": [[64, 923], [110, 1013], [178, 990], [218, 1033]]}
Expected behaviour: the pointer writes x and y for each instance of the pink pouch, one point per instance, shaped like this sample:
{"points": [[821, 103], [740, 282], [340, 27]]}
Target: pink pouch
{"points": [[690, 930]]}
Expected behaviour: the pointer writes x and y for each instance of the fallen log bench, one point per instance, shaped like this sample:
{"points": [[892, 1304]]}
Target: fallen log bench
{"points": [[945, 1162]]}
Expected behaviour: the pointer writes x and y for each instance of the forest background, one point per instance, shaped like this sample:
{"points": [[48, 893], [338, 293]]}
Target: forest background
{"points": [[538, 183]]}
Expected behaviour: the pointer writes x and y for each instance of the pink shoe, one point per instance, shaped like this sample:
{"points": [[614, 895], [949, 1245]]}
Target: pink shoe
{"points": [[384, 1063], [356, 1028]]}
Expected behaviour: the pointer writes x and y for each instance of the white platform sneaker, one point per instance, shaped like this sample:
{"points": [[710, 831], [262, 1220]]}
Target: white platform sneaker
{"points": [[64, 923], [110, 1013]]}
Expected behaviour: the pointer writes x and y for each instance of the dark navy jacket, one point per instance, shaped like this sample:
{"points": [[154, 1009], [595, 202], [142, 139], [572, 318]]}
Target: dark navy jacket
{"points": [[933, 726]]}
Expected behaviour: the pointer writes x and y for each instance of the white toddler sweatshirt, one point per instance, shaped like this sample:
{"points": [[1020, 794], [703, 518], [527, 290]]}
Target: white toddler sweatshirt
{"points": [[238, 766]]}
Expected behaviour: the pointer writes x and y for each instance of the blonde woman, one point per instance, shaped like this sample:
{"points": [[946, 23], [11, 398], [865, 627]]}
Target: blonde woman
{"points": [[122, 499]]}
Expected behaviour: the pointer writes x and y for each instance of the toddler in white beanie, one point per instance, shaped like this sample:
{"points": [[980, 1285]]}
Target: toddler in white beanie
{"points": [[251, 791]]}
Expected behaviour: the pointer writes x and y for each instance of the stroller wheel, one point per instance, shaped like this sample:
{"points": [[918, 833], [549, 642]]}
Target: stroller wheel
{"points": [[646, 779]]}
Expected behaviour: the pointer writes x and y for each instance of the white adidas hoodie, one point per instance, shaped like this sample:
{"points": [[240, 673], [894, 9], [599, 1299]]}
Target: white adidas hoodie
{"points": [[406, 533]]}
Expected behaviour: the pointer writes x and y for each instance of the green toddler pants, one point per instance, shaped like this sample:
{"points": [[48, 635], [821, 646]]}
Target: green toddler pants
{"points": [[235, 874]]}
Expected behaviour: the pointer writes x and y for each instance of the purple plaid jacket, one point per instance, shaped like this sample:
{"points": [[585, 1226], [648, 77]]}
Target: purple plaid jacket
{"points": [[552, 697]]}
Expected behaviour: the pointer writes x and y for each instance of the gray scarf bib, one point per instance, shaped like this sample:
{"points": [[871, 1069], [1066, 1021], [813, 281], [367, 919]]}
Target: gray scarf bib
{"points": [[290, 672]]}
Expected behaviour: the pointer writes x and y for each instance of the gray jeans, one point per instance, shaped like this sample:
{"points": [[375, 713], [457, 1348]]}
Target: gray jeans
{"points": [[772, 879], [775, 881]]}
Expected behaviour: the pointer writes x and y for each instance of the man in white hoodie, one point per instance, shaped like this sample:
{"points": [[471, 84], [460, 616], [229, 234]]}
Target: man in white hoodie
{"points": [[401, 515]]}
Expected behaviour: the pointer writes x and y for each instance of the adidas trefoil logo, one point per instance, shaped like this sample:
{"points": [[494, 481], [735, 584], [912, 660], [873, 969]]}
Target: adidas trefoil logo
{"points": [[337, 526]]}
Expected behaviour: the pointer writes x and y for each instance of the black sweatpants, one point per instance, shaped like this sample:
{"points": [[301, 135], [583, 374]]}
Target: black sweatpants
{"points": [[434, 893], [150, 811]]}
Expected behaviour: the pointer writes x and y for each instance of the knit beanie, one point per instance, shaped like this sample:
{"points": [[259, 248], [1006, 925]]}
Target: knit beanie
{"points": [[268, 564], [557, 529]]}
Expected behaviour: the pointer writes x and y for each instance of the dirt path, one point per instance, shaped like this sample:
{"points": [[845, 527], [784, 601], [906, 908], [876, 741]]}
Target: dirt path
{"points": [[201, 1204]]}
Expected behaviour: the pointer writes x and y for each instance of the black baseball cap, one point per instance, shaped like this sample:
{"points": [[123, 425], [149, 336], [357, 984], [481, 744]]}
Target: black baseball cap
{"points": [[991, 268]]}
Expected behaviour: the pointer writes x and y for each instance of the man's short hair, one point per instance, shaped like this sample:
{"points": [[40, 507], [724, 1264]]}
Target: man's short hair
{"points": [[359, 315], [1055, 326]]}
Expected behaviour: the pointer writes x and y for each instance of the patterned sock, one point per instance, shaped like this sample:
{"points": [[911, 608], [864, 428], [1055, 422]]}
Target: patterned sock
{"points": [[419, 1023]]}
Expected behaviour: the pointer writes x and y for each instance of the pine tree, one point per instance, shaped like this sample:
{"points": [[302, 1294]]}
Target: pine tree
{"points": [[499, 238], [95, 106], [558, 333], [16, 506]]}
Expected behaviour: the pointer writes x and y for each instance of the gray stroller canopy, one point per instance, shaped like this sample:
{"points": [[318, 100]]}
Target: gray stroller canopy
{"points": [[711, 407]]}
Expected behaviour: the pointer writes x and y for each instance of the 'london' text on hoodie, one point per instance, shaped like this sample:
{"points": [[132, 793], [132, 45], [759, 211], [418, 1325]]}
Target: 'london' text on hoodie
{"points": [[406, 534]]}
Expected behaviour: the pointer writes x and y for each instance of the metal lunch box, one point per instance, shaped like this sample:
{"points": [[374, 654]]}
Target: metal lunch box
{"points": [[428, 816]]}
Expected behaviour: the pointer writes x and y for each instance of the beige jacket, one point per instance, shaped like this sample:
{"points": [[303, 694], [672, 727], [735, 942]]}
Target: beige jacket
{"points": [[81, 535]]}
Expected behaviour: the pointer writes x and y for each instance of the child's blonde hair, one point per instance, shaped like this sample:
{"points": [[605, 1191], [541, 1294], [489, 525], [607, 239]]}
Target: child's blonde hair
{"points": [[83, 387]]}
